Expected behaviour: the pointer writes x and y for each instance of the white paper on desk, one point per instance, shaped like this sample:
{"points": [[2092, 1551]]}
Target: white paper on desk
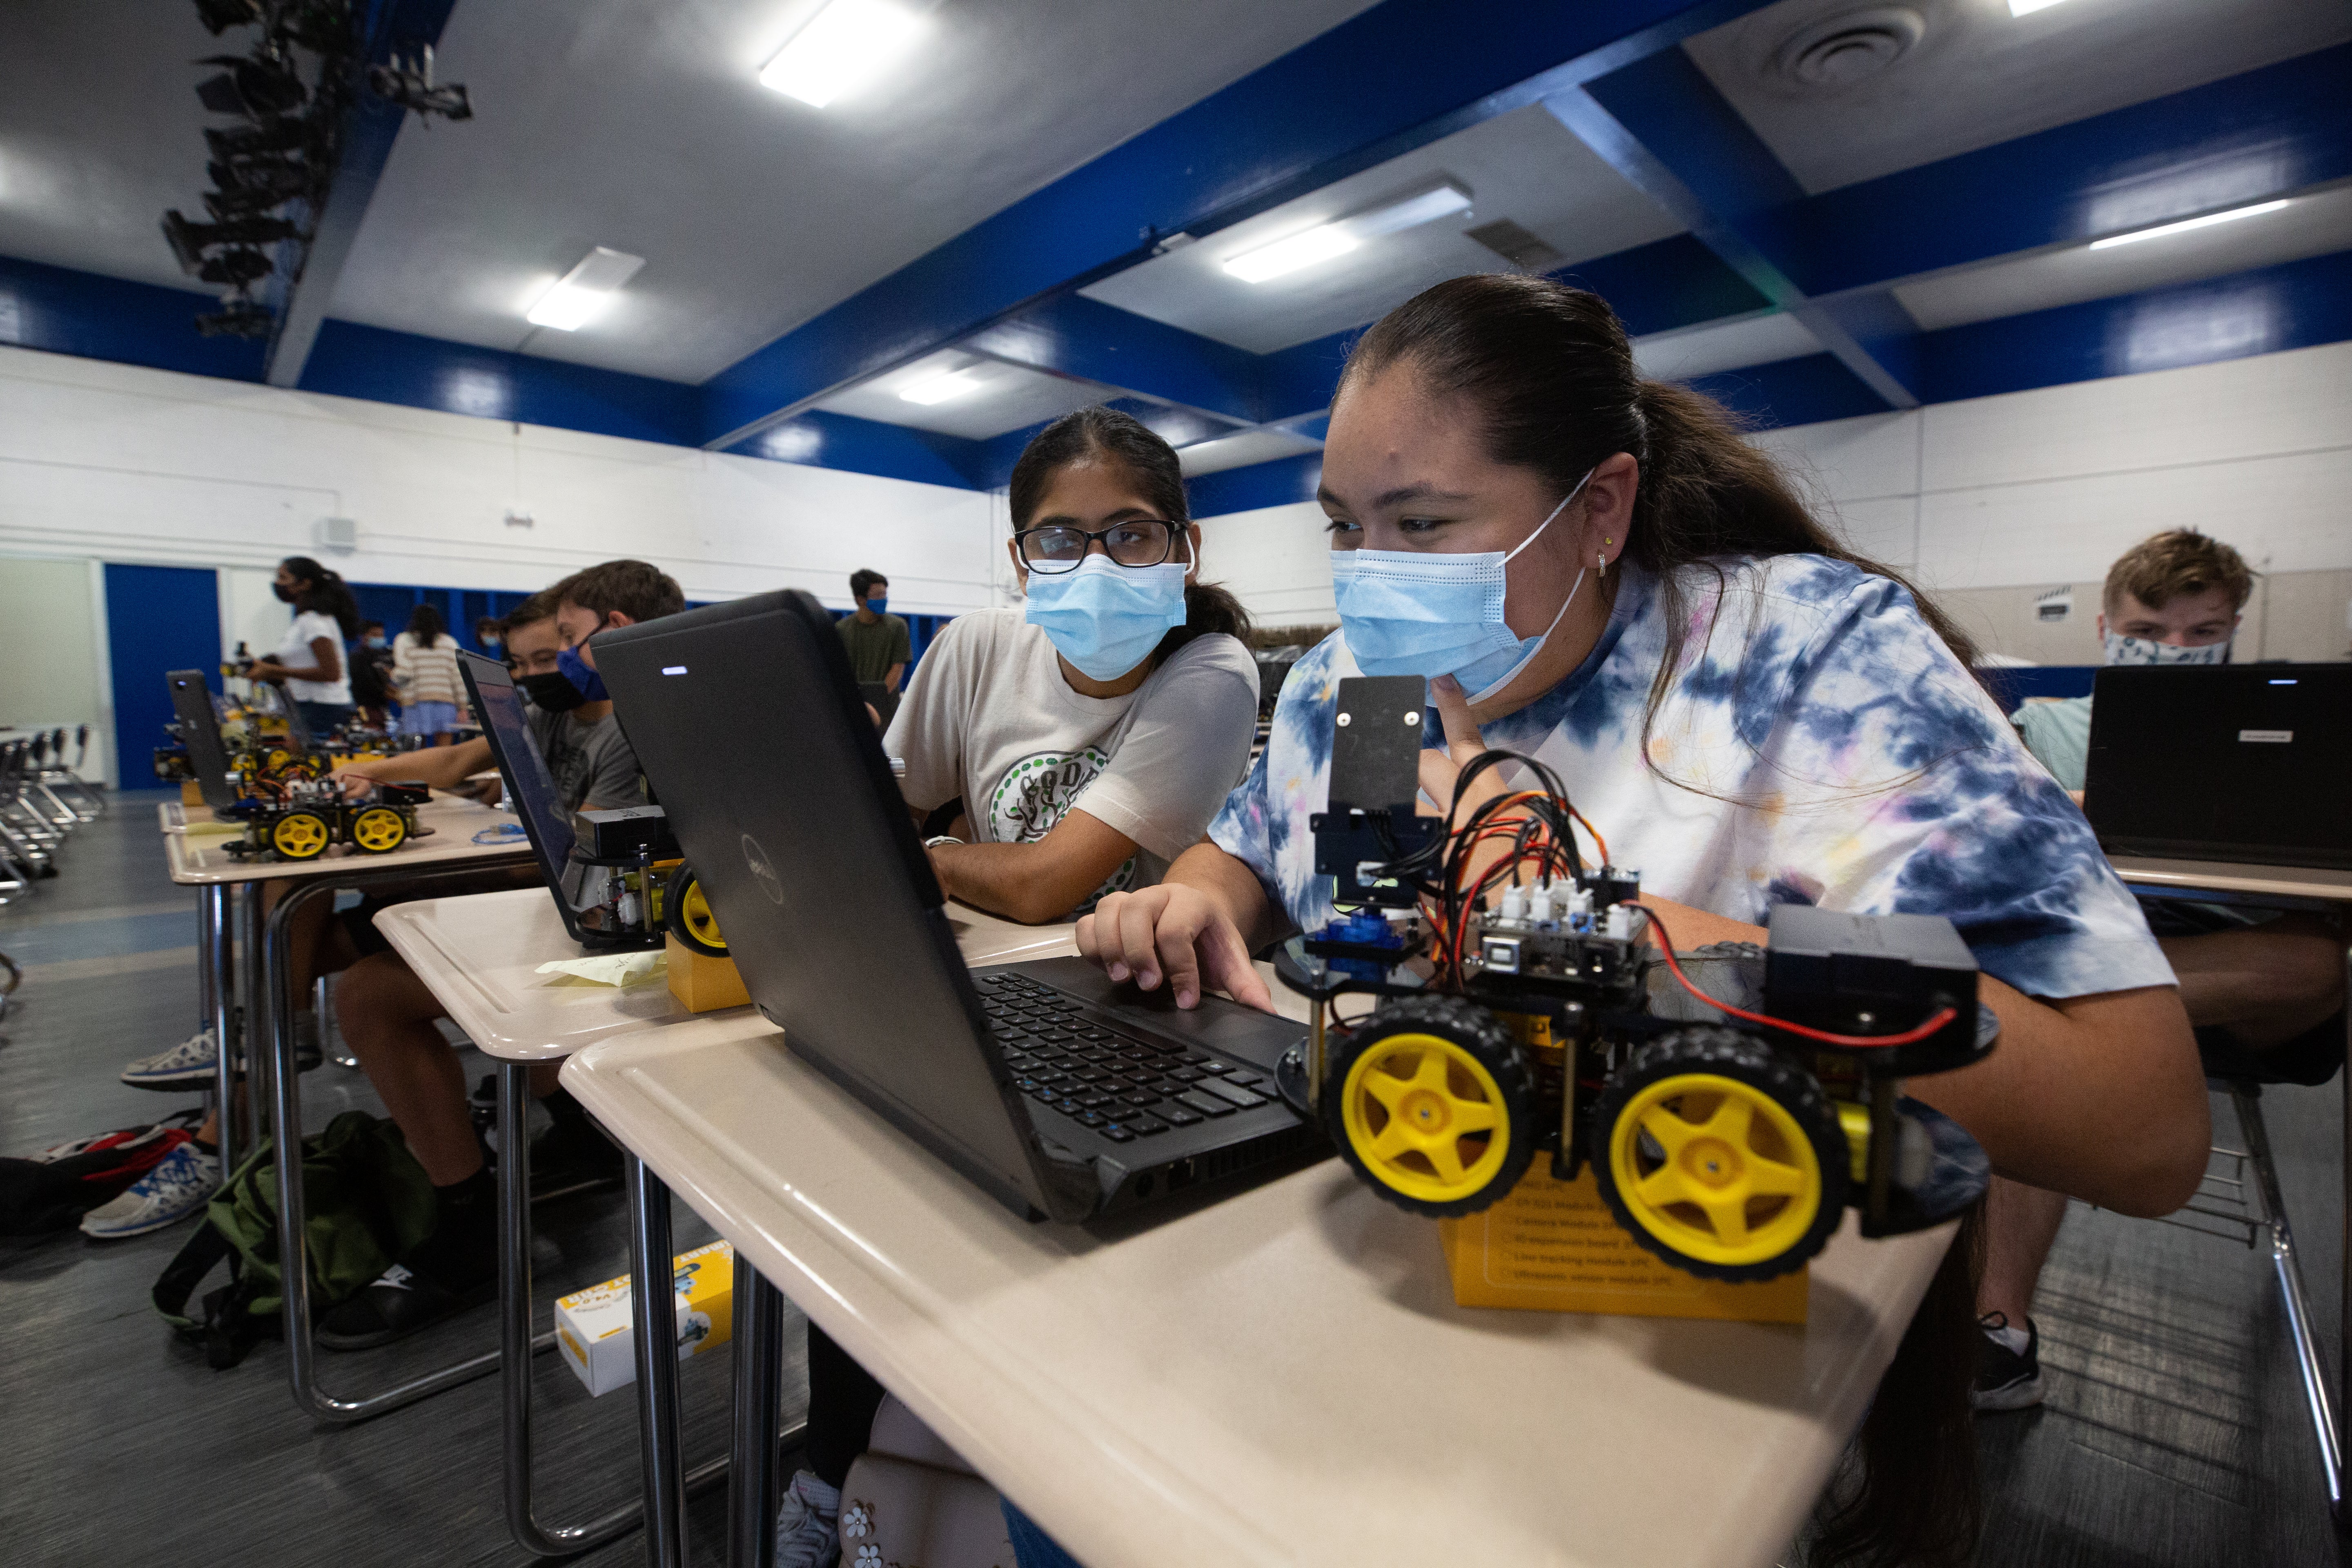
{"points": [[613, 968]]}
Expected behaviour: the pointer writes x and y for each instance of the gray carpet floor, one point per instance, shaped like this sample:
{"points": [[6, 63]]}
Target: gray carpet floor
{"points": [[2174, 1434]]}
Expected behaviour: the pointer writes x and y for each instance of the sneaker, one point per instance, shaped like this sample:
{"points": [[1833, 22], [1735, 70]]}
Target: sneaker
{"points": [[806, 1535], [398, 1303], [177, 1187], [187, 1066], [2009, 1364]]}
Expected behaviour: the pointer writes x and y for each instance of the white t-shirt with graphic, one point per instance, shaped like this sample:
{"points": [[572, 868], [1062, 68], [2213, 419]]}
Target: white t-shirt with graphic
{"points": [[988, 718], [295, 653]]}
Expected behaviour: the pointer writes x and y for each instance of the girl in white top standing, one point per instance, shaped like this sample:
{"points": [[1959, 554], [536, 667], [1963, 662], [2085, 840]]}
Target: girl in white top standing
{"points": [[309, 663], [424, 673]]}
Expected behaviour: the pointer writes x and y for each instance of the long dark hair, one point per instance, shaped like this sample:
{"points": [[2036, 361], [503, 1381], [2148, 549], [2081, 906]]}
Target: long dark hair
{"points": [[328, 593], [425, 625], [1158, 478], [1550, 370]]}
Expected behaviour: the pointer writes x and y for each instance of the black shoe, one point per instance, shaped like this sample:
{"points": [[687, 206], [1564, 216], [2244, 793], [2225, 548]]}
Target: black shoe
{"points": [[572, 1155], [2006, 1379], [396, 1305]]}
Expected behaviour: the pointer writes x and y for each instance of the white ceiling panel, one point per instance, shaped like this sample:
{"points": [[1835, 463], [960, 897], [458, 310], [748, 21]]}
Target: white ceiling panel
{"points": [[100, 132], [2313, 224], [1238, 451], [1979, 76], [1007, 398], [1695, 351], [1524, 166]]}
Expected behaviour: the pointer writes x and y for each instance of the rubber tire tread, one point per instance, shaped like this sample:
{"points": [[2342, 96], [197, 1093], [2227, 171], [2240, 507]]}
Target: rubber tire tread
{"points": [[673, 913], [1479, 1032], [1728, 1053]]}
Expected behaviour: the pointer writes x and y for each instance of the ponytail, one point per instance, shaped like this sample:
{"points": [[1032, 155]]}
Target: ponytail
{"points": [[1208, 608], [328, 593]]}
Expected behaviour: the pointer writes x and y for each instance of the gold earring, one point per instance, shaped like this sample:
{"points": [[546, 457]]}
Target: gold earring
{"points": [[1602, 556]]}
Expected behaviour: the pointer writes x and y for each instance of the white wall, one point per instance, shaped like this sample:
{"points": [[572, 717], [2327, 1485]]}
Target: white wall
{"points": [[52, 652], [121, 463], [1989, 502]]}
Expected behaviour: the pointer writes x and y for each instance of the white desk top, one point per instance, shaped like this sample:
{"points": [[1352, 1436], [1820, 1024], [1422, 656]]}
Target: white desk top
{"points": [[479, 955], [2229, 877], [1281, 1377], [197, 858]]}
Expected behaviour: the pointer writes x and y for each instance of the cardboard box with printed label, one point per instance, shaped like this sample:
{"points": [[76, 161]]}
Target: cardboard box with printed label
{"points": [[593, 1329]]}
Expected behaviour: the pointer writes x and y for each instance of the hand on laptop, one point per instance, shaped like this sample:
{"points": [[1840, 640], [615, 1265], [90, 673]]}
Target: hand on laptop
{"points": [[1175, 931]]}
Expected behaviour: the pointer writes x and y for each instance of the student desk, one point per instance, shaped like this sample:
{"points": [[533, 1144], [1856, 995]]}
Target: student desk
{"points": [[2285, 888], [1279, 1377], [479, 955], [200, 860]]}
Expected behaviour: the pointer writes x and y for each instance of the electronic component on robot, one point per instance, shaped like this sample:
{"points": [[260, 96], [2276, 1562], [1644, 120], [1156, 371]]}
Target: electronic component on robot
{"points": [[615, 875], [1732, 1102]]}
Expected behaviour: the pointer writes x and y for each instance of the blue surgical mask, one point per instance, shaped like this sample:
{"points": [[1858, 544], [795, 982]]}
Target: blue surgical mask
{"points": [[2121, 650], [583, 676], [373, 641], [1408, 611], [1104, 617], [878, 605]]}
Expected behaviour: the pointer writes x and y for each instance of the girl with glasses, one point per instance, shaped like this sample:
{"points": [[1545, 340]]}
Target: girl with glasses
{"points": [[1598, 571]]}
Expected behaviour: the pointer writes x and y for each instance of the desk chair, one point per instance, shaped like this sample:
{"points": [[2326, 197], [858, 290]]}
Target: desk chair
{"points": [[28, 830], [2228, 1205], [86, 804]]}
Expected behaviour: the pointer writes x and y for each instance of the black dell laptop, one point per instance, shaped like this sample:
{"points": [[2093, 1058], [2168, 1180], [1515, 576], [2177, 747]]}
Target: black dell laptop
{"points": [[1060, 1094], [199, 726], [2248, 763]]}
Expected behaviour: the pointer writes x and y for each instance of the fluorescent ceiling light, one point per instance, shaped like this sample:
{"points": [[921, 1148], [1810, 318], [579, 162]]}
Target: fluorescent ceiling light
{"points": [[580, 295], [848, 44], [1328, 240], [2027, 8], [939, 388], [2185, 224]]}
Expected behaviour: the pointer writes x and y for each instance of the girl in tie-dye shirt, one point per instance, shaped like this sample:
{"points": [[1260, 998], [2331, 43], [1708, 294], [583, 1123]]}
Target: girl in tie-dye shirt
{"points": [[1596, 570]]}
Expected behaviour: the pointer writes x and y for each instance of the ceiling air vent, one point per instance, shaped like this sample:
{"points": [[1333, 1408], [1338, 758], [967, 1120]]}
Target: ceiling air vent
{"points": [[1838, 51], [1517, 245]]}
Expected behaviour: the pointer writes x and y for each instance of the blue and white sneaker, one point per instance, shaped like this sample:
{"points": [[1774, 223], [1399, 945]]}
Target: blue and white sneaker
{"points": [[185, 1068], [177, 1187]]}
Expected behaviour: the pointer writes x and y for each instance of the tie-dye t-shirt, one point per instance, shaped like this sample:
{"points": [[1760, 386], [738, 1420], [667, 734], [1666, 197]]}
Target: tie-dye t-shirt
{"points": [[1846, 760]]}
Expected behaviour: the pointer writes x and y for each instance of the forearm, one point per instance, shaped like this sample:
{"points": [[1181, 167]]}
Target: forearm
{"points": [[441, 767], [1020, 881]]}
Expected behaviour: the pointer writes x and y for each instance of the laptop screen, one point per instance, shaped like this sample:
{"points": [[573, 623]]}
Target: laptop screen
{"points": [[530, 786], [192, 704]]}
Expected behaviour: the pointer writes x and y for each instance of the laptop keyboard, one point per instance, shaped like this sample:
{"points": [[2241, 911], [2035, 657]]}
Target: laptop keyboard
{"points": [[1123, 1084]]}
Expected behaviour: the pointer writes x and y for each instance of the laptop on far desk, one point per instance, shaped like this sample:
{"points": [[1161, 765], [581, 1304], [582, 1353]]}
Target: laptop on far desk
{"points": [[199, 726], [1059, 1094], [2247, 763]]}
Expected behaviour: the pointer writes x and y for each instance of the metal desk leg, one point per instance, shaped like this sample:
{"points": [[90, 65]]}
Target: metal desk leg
{"points": [[515, 1342], [216, 988], [653, 1313], [757, 1489], [2340, 1483], [269, 1016]]}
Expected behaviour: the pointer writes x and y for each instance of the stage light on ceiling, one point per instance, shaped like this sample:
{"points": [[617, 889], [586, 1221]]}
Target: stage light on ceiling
{"points": [[848, 44], [2185, 224], [1332, 239], [939, 388], [2027, 8], [580, 295]]}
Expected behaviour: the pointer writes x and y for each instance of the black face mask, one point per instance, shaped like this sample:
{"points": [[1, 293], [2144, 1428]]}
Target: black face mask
{"points": [[285, 594], [552, 691]]}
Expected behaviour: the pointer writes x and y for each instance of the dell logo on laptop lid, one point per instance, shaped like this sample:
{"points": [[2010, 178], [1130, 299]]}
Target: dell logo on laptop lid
{"points": [[762, 869]]}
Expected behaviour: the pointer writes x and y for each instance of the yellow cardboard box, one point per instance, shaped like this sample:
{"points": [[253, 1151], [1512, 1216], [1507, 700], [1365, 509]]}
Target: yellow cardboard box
{"points": [[1554, 1247], [593, 1326], [703, 983]]}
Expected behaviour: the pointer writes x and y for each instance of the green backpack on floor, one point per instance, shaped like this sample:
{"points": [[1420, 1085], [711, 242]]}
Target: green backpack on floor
{"points": [[366, 1203]]}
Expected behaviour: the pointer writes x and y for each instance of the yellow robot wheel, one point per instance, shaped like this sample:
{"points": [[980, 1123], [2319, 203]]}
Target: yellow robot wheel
{"points": [[379, 830], [1433, 1103], [1719, 1156], [688, 916], [300, 836]]}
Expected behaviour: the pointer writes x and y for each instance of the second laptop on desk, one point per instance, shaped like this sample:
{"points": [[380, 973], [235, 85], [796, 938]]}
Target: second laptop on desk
{"points": [[1059, 1093]]}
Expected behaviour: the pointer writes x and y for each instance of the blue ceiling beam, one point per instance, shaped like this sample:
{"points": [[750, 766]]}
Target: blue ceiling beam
{"points": [[1281, 482], [1396, 76], [843, 442], [1085, 340], [385, 366], [66, 311], [1662, 126], [2244, 139], [370, 127]]}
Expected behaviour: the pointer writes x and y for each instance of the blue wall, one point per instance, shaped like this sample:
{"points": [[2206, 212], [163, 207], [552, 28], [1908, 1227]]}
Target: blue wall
{"points": [[158, 618], [459, 607]]}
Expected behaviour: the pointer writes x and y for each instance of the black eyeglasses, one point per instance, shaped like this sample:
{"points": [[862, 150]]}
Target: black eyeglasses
{"points": [[1060, 546]]}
